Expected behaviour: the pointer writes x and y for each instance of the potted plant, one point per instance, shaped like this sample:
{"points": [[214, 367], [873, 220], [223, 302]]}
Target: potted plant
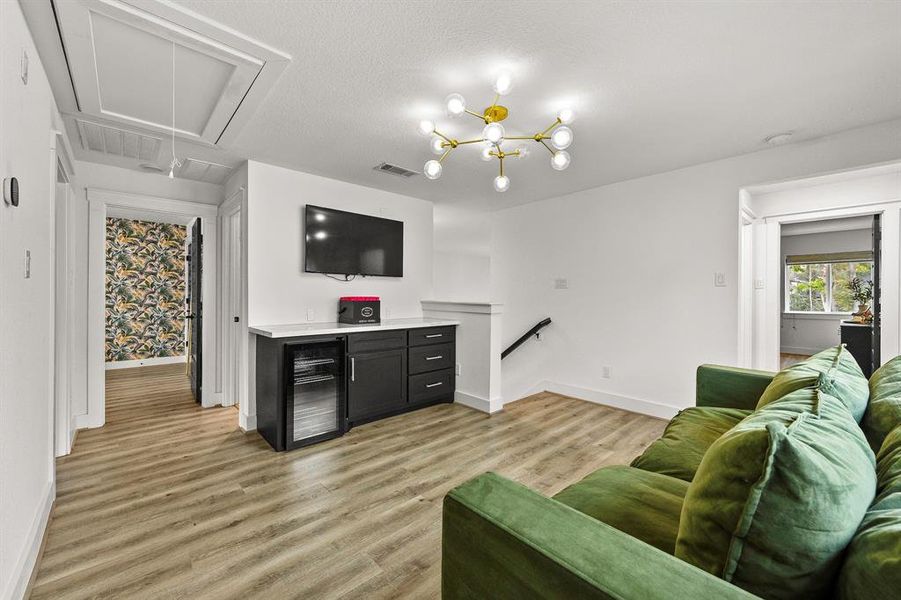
{"points": [[862, 293]]}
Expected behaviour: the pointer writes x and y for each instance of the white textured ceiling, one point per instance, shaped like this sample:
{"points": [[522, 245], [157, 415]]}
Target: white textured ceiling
{"points": [[657, 85]]}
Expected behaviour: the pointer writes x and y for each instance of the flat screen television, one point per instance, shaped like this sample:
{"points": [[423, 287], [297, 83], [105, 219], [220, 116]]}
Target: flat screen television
{"points": [[346, 243]]}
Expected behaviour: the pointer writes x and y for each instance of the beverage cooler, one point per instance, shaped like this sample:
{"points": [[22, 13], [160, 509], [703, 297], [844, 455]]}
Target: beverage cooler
{"points": [[314, 404]]}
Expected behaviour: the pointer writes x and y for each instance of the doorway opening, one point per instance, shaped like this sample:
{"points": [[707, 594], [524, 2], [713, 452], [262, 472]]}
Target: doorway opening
{"points": [[144, 322], [830, 279]]}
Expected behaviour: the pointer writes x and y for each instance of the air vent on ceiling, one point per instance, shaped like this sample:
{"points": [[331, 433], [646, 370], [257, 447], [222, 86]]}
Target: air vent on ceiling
{"points": [[201, 170], [395, 170], [117, 141]]}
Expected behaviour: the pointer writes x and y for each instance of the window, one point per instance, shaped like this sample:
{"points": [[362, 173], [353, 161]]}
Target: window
{"points": [[821, 283]]}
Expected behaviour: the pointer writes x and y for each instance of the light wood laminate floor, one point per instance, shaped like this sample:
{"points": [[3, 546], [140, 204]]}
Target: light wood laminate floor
{"points": [[169, 500]]}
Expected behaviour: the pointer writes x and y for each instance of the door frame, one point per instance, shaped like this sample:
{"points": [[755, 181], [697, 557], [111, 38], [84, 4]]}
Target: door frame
{"points": [[63, 317], [138, 206], [766, 258], [235, 336]]}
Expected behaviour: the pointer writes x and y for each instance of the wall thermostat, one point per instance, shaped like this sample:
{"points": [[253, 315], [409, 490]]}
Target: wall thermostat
{"points": [[11, 191]]}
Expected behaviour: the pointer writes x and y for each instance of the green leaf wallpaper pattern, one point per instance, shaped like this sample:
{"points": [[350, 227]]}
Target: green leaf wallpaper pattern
{"points": [[145, 289]]}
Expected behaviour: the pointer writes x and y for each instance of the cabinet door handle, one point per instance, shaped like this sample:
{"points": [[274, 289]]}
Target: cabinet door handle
{"points": [[431, 385], [353, 370], [433, 357], [434, 335]]}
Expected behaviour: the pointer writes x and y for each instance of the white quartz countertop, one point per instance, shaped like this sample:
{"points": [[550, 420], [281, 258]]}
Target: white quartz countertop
{"points": [[312, 329]]}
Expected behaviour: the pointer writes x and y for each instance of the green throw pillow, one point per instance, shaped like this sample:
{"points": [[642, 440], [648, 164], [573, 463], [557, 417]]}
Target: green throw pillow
{"points": [[884, 411], [777, 499], [845, 380], [872, 569]]}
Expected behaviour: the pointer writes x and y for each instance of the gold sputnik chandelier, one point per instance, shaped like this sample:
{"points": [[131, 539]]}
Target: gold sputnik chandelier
{"points": [[494, 137]]}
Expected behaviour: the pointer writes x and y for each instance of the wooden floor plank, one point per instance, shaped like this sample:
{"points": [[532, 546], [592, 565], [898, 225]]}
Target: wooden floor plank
{"points": [[169, 500]]}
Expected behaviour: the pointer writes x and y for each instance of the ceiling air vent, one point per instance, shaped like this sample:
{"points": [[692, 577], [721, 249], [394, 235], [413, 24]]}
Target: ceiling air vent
{"points": [[201, 170], [117, 141], [395, 170]]}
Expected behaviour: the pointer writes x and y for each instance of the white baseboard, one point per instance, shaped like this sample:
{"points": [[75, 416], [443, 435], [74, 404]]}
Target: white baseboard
{"points": [[86, 422], [210, 400], [478, 403], [799, 350], [145, 362], [21, 575], [247, 422], [644, 407]]}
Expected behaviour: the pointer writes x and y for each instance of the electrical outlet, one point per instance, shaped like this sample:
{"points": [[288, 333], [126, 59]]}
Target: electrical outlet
{"points": [[606, 371], [311, 315], [458, 369], [719, 279], [387, 313], [561, 283], [28, 264]]}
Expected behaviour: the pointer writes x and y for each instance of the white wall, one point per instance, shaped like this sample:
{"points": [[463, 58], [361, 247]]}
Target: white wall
{"points": [[809, 333], [278, 289], [462, 254], [640, 258], [26, 310]]}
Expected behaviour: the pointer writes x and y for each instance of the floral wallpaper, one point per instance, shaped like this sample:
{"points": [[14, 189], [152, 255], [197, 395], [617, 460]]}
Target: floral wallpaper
{"points": [[145, 289]]}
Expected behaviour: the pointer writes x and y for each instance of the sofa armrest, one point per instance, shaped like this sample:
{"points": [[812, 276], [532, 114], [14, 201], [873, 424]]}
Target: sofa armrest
{"points": [[730, 387], [503, 540]]}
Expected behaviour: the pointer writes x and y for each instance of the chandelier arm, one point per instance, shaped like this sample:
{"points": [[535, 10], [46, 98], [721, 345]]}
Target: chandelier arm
{"points": [[519, 137], [476, 115], [470, 142], [546, 146], [443, 156], [496, 98], [442, 136], [552, 125], [501, 159]]}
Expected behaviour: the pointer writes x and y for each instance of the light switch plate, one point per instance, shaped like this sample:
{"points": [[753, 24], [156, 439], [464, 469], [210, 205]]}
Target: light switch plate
{"points": [[28, 264], [310, 314], [719, 279], [561, 283]]}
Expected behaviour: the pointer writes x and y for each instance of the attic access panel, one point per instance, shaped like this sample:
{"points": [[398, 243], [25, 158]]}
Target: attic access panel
{"points": [[120, 59]]}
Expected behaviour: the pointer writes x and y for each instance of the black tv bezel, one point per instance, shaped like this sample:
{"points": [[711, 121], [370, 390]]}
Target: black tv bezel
{"points": [[306, 269]]}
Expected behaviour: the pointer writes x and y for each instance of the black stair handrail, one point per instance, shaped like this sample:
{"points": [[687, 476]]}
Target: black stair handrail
{"points": [[533, 331]]}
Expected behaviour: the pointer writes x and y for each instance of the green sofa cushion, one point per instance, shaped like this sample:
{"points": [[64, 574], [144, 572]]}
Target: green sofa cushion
{"points": [[643, 504], [872, 568], [679, 451], [884, 411], [845, 380], [778, 498]]}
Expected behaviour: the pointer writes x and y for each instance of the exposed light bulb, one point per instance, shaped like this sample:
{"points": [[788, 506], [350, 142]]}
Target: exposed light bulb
{"points": [[562, 137], [523, 151], [437, 145], [486, 152], [493, 132], [426, 128], [501, 183], [560, 160], [566, 115], [432, 169], [171, 172], [456, 105], [503, 83]]}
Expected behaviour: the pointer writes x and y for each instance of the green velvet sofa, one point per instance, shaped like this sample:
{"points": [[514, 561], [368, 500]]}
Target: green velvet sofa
{"points": [[773, 485]]}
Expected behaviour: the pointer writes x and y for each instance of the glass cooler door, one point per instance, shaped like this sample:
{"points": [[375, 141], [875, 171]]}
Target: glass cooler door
{"points": [[315, 392]]}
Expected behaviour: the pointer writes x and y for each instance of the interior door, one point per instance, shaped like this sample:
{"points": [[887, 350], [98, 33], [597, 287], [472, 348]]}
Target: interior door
{"points": [[877, 306], [195, 309]]}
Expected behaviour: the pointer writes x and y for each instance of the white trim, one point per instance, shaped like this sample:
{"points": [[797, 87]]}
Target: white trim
{"points": [[145, 362], [480, 404], [22, 572], [488, 308], [644, 407], [247, 422], [99, 202]]}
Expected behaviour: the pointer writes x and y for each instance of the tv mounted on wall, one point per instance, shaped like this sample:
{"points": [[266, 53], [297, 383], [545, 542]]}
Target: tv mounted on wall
{"points": [[346, 243]]}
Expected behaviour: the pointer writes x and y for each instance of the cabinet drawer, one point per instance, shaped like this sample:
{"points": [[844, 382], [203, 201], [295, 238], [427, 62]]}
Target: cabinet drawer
{"points": [[431, 335], [429, 386], [431, 358], [375, 341]]}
